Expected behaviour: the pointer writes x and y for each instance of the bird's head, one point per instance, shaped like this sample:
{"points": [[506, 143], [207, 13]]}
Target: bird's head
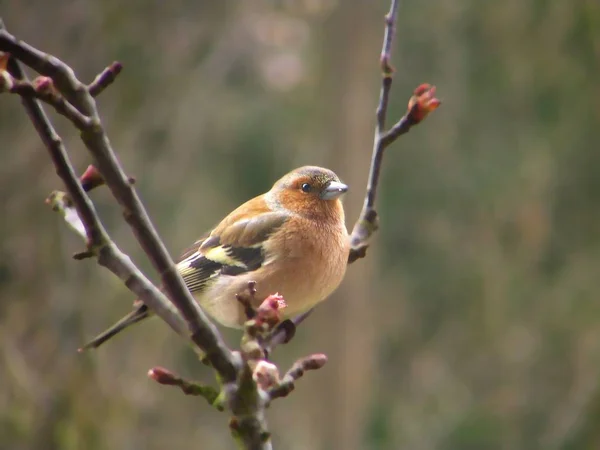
{"points": [[310, 191]]}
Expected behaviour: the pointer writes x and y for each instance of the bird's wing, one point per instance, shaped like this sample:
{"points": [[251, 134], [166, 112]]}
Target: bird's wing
{"points": [[232, 248]]}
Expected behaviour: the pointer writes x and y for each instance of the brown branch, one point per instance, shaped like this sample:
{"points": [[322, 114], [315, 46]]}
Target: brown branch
{"points": [[105, 79], [168, 378], [287, 384], [248, 424], [203, 332], [248, 404], [367, 223], [97, 240], [386, 68], [42, 89]]}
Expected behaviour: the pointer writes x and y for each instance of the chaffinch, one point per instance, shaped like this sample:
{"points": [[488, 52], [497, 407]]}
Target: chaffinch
{"points": [[291, 240]]}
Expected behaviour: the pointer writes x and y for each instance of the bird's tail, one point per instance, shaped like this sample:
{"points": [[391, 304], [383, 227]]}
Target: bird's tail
{"points": [[138, 314]]}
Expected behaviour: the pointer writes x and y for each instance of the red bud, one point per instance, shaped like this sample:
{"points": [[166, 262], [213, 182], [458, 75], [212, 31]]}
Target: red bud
{"points": [[422, 102], [163, 376], [91, 178], [44, 85], [269, 310], [316, 361]]}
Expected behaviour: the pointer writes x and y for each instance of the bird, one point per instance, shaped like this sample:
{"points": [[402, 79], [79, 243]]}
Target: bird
{"points": [[291, 240]]}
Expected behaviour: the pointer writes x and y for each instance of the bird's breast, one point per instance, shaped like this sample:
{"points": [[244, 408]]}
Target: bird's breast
{"points": [[308, 266], [305, 267]]}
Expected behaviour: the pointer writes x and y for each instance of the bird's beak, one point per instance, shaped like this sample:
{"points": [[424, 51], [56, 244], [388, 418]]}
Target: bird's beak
{"points": [[334, 190]]}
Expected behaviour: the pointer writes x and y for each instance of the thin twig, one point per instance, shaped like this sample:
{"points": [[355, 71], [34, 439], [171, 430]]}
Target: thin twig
{"points": [[168, 378], [105, 79], [366, 224], [42, 89], [288, 382], [420, 105], [401, 127], [386, 67]]}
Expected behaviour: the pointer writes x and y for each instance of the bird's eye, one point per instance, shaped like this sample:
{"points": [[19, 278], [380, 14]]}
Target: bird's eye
{"points": [[306, 187]]}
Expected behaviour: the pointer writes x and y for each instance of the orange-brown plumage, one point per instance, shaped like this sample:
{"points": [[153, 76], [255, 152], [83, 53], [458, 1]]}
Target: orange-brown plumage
{"points": [[291, 240]]}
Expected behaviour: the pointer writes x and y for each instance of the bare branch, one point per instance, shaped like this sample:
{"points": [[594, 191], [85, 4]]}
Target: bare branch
{"points": [[105, 79], [203, 332], [168, 378], [367, 223], [386, 68], [97, 240], [42, 89], [287, 384], [248, 404]]}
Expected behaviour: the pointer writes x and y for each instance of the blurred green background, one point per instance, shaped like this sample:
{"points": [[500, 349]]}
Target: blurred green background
{"points": [[474, 321]]}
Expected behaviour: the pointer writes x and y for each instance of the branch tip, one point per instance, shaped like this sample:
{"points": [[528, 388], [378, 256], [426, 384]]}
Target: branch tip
{"points": [[105, 78], [288, 383], [80, 256], [163, 376]]}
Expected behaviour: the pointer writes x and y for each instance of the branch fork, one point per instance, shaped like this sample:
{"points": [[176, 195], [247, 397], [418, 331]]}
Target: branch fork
{"points": [[260, 373]]}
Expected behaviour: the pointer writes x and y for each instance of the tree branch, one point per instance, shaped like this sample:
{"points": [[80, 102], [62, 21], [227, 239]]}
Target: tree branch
{"points": [[105, 79], [246, 401], [168, 378], [97, 241], [367, 223], [203, 332], [43, 89], [288, 383]]}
